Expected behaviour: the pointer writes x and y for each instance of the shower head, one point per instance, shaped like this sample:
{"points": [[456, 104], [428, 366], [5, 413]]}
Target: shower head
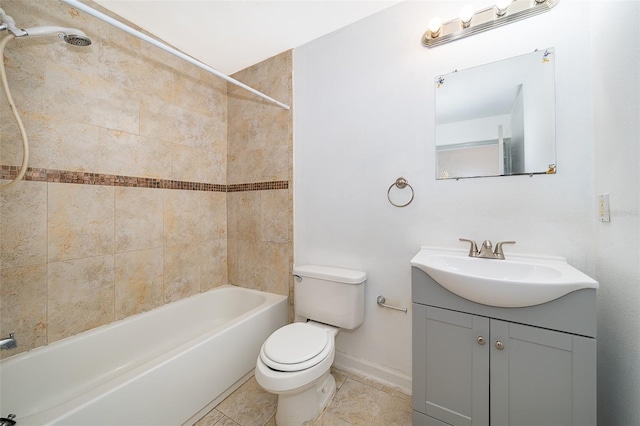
{"points": [[76, 39], [70, 35]]}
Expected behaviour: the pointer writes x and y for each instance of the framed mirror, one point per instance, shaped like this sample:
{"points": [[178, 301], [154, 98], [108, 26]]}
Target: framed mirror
{"points": [[497, 119]]}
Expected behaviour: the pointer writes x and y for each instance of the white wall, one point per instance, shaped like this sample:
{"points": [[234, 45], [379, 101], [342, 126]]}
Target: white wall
{"points": [[616, 91], [364, 115]]}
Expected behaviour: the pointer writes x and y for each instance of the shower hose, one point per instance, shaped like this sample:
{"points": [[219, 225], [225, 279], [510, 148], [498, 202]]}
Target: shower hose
{"points": [[14, 110]]}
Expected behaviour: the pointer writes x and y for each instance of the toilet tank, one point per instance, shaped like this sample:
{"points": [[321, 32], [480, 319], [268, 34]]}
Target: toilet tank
{"points": [[330, 295]]}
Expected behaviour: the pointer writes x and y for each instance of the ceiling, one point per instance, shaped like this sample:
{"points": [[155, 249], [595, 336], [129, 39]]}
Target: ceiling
{"points": [[230, 35]]}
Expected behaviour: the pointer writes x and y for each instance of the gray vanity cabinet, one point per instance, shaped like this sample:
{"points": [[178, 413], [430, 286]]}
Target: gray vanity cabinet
{"points": [[454, 384], [541, 377], [480, 365]]}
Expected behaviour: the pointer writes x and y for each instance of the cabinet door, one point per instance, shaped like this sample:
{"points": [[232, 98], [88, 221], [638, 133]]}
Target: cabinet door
{"points": [[455, 388], [541, 377]]}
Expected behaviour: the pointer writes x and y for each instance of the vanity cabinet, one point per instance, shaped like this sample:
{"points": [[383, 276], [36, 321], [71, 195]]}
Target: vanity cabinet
{"points": [[479, 365]]}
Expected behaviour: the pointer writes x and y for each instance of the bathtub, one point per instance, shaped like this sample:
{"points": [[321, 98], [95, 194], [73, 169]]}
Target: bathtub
{"points": [[168, 366]]}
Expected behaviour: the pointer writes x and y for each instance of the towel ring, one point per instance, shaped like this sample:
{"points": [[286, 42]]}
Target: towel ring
{"points": [[401, 183]]}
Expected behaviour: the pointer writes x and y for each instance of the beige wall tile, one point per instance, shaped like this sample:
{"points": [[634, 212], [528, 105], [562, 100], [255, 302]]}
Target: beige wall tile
{"points": [[277, 163], [80, 295], [213, 216], [139, 215], [83, 59], [80, 221], [23, 224], [138, 282], [276, 216], [181, 271], [249, 258], [120, 65], [248, 213], [197, 164], [232, 214], [213, 264], [23, 303], [50, 144], [276, 266], [123, 107], [202, 92], [131, 155], [181, 216], [260, 141], [161, 120], [25, 64], [232, 261], [97, 103]]}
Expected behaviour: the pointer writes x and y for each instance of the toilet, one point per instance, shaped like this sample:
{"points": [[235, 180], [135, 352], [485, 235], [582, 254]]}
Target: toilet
{"points": [[294, 361]]}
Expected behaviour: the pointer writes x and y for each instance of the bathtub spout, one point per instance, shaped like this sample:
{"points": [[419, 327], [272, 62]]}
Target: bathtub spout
{"points": [[8, 343]]}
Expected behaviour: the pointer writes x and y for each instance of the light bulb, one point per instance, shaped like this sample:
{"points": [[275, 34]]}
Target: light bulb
{"points": [[502, 6], [466, 14], [435, 25]]}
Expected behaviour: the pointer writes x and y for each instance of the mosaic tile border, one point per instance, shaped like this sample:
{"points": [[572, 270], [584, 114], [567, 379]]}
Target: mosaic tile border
{"points": [[87, 178]]}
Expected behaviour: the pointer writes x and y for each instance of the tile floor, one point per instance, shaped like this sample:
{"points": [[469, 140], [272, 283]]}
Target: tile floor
{"points": [[357, 401]]}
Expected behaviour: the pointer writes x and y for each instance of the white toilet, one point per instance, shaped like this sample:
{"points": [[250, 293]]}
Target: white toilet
{"points": [[294, 361]]}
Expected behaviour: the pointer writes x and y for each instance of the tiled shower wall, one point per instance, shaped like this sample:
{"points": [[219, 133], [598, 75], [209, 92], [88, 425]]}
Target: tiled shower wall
{"points": [[125, 206], [260, 149]]}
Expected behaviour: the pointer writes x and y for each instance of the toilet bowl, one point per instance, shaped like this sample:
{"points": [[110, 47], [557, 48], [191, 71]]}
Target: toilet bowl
{"points": [[294, 362]]}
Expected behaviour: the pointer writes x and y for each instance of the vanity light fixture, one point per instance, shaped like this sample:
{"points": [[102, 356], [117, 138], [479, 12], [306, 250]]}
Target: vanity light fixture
{"points": [[469, 23], [435, 27], [502, 6], [466, 15]]}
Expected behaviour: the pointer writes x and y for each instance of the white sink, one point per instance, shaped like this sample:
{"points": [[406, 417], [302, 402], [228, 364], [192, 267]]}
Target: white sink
{"points": [[515, 282]]}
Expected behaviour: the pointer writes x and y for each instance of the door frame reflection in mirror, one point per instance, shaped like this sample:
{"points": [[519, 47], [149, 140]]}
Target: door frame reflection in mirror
{"points": [[497, 119]]}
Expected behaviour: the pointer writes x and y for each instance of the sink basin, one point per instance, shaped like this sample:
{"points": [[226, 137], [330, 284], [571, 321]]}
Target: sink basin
{"points": [[515, 282]]}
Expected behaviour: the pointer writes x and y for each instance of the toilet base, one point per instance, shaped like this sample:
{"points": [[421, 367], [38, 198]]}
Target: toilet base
{"points": [[298, 407]]}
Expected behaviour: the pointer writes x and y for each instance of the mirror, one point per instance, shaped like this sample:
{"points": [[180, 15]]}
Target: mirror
{"points": [[497, 119]]}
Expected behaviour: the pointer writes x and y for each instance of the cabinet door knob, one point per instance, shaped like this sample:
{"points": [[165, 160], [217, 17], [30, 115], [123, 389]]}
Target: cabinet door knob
{"points": [[480, 340], [499, 345]]}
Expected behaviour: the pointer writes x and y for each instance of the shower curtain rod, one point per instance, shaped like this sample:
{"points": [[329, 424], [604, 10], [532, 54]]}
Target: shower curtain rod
{"points": [[169, 49]]}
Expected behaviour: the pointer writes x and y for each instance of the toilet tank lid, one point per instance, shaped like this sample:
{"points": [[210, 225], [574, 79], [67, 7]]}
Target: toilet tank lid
{"points": [[330, 273]]}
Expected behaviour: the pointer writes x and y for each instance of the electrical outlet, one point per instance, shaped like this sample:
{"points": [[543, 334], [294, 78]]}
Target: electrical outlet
{"points": [[603, 208]]}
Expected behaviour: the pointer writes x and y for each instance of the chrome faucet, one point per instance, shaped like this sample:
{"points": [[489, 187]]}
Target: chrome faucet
{"points": [[8, 421], [8, 342], [485, 250]]}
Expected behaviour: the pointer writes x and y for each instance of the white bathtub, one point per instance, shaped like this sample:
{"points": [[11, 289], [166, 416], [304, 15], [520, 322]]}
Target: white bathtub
{"points": [[167, 366]]}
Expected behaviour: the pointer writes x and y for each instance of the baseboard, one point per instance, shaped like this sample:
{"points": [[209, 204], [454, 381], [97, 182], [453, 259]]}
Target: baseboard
{"points": [[374, 372]]}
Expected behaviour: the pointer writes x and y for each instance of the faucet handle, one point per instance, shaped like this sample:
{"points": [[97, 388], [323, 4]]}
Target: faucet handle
{"points": [[473, 249], [499, 254]]}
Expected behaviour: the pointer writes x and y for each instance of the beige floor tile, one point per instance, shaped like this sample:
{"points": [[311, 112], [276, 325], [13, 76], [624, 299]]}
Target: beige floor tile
{"points": [[328, 419], [249, 405], [359, 404], [339, 376], [226, 421], [212, 417]]}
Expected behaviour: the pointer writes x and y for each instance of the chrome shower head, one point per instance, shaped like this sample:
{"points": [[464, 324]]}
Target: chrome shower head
{"points": [[70, 35], [76, 39]]}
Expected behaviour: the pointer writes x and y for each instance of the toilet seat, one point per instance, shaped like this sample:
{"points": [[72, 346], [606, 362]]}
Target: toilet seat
{"points": [[296, 347]]}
